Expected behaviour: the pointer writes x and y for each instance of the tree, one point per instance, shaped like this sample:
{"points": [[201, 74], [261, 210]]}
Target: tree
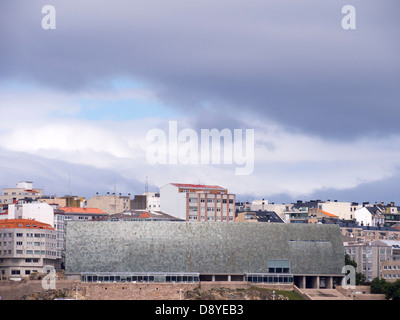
{"points": [[379, 286], [392, 291], [349, 261], [360, 279]]}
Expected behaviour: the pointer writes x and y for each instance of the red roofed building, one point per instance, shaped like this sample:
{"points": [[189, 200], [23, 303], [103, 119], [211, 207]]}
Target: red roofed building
{"points": [[197, 202], [26, 246]]}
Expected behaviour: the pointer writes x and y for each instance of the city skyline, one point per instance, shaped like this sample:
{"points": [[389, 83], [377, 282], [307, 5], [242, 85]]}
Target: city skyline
{"points": [[77, 101]]}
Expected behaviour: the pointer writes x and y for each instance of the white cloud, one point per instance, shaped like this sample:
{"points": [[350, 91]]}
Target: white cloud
{"points": [[285, 162]]}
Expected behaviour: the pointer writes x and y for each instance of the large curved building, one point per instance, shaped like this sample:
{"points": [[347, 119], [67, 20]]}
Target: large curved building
{"points": [[26, 246], [306, 255]]}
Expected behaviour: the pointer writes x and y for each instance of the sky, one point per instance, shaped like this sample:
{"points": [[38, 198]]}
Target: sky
{"points": [[78, 101]]}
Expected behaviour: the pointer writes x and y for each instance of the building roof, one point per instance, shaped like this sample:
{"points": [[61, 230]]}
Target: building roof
{"points": [[23, 224], [374, 210], [197, 186], [141, 215], [81, 210], [264, 216], [203, 247], [330, 215], [391, 243]]}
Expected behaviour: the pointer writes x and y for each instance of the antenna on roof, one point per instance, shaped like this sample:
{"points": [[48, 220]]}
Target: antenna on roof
{"points": [[146, 187]]}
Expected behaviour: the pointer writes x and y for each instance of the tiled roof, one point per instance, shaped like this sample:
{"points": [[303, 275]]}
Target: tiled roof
{"points": [[23, 224], [331, 215], [81, 210], [145, 215]]}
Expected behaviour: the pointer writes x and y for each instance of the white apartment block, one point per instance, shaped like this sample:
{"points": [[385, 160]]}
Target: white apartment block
{"points": [[194, 202], [37, 211], [153, 201]]}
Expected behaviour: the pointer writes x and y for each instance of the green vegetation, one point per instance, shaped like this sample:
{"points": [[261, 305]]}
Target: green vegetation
{"points": [[290, 295], [390, 289]]}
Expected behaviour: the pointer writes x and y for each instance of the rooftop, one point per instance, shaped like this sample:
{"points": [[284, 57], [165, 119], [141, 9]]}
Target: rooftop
{"points": [[331, 215], [81, 210], [196, 186], [23, 224]]}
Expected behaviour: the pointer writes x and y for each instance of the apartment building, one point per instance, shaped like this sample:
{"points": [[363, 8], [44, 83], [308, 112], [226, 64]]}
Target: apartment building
{"points": [[38, 211], [379, 258], [26, 246], [23, 191], [258, 216], [195, 202], [110, 203]]}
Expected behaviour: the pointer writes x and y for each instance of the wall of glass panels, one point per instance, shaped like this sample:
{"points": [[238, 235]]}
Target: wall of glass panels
{"points": [[141, 277], [270, 278]]}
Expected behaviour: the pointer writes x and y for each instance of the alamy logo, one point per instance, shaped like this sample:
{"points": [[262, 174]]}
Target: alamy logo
{"points": [[49, 280], [349, 280], [185, 147]]}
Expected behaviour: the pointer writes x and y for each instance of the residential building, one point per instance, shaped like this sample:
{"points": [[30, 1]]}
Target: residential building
{"points": [[343, 210], [26, 246], [153, 202], [308, 256], [373, 258], [195, 202], [23, 191], [392, 215], [263, 204], [38, 211], [67, 201], [110, 203], [257, 216], [311, 215], [139, 202], [352, 232], [370, 216], [390, 269]]}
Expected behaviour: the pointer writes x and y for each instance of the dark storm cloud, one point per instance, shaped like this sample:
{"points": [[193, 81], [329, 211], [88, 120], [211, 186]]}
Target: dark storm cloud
{"points": [[287, 61]]}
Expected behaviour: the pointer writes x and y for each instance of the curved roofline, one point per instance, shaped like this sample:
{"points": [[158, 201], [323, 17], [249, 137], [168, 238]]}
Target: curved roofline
{"points": [[24, 224]]}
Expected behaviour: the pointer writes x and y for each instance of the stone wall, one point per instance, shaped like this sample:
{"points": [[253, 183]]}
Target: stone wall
{"points": [[135, 291], [11, 290], [15, 290]]}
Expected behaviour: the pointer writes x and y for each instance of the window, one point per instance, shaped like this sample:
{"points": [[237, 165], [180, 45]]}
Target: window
{"points": [[278, 266]]}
